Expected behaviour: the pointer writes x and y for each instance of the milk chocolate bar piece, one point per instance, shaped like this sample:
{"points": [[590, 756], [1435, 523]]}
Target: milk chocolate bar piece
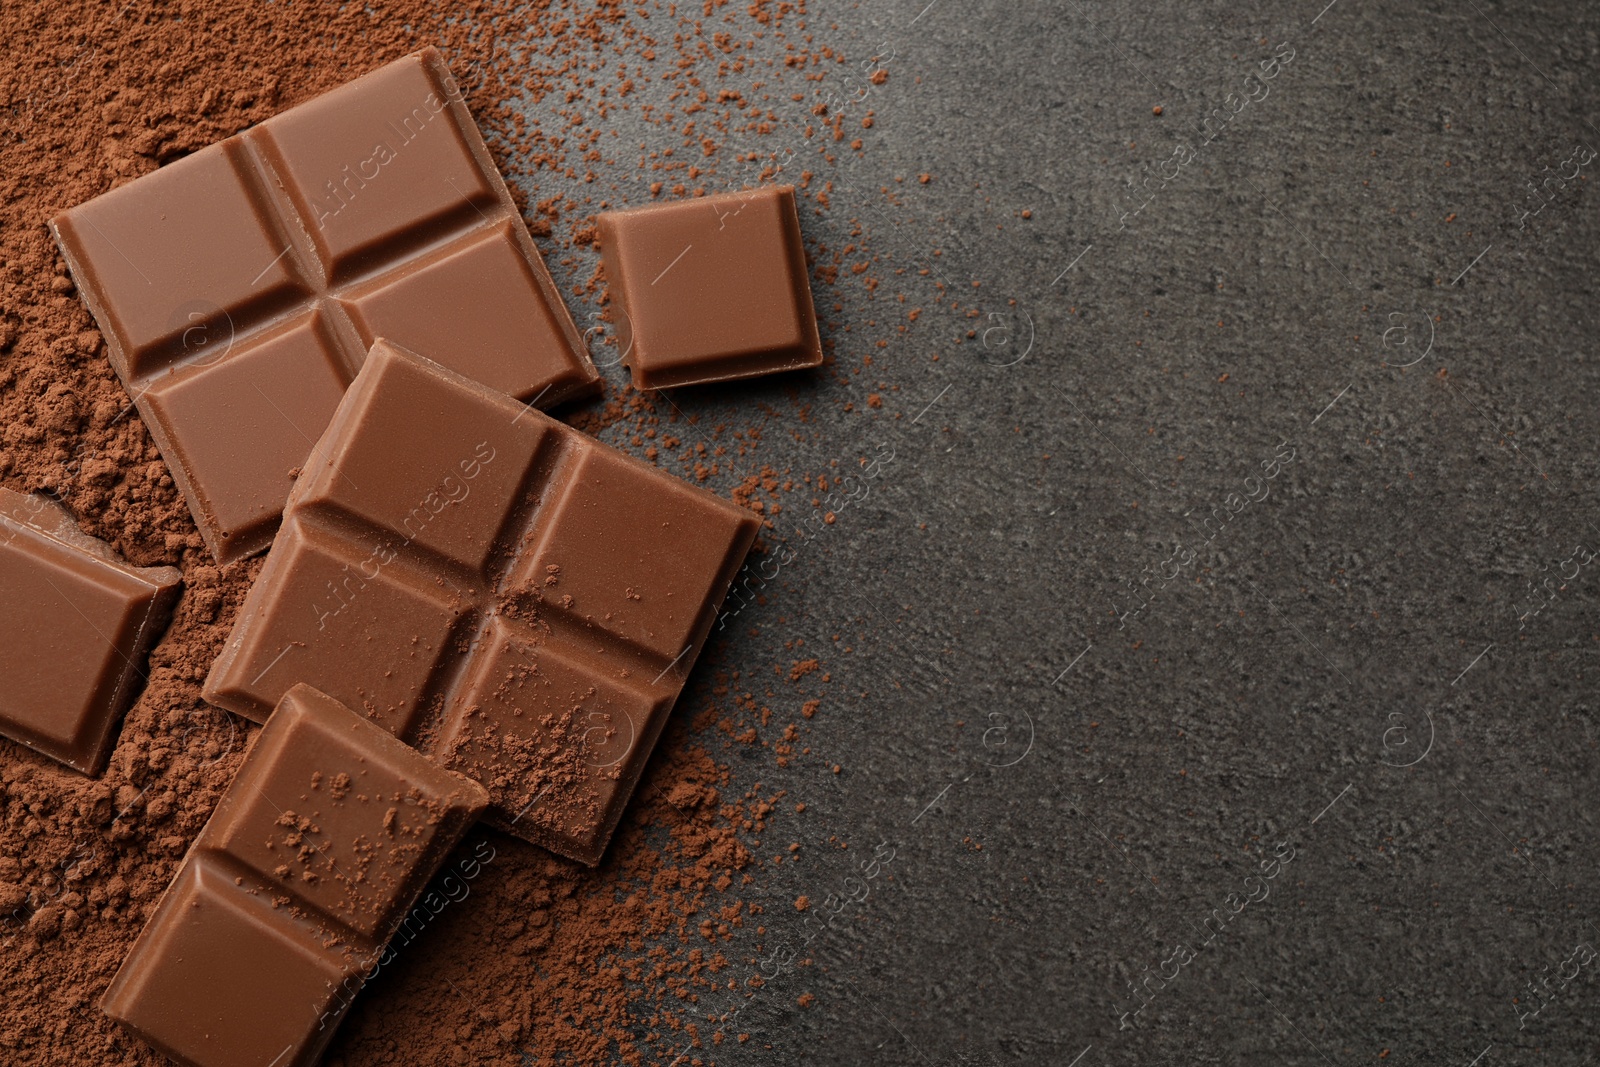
{"points": [[77, 622], [239, 288], [710, 289], [282, 909], [492, 586]]}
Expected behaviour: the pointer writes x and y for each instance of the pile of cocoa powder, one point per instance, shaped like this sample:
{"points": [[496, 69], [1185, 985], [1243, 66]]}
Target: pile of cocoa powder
{"points": [[543, 960]]}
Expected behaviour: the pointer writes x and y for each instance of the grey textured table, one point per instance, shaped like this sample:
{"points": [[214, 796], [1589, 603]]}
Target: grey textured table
{"points": [[1212, 634]]}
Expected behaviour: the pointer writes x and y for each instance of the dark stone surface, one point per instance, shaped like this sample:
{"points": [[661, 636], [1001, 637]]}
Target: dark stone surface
{"points": [[1071, 784]]}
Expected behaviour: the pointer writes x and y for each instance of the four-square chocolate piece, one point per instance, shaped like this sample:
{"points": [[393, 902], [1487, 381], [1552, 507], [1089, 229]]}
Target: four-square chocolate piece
{"points": [[512, 597], [239, 288], [76, 625], [710, 289], [310, 864]]}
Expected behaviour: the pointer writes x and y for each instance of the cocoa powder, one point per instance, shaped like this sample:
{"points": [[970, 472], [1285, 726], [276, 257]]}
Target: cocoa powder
{"points": [[545, 961]]}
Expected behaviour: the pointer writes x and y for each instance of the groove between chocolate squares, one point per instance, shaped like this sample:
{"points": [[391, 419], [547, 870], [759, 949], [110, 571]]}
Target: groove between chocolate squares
{"points": [[322, 926], [481, 595], [444, 684], [402, 249], [304, 286], [428, 703]]}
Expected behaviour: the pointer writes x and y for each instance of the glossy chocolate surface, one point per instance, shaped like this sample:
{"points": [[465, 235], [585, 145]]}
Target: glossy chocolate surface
{"points": [[239, 288], [77, 624], [710, 289], [310, 864], [514, 598]]}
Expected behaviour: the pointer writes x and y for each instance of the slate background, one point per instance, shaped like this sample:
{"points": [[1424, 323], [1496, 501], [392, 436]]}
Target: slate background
{"points": [[1349, 673]]}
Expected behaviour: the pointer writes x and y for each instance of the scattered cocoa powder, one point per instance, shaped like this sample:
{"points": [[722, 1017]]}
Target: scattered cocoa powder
{"points": [[803, 667]]}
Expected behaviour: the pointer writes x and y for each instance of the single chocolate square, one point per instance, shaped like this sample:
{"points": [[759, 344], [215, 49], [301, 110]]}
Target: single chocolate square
{"points": [[486, 282], [654, 531], [562, 726], [175, 261], [239, 288], [381, 161], [241, 428], [710, 289], [78, 622], [336, 608], [284, 905], [224, 976], [510, 596]]}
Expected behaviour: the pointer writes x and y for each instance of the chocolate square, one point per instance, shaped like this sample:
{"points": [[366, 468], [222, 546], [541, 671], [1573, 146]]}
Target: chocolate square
{"points": [[485, 281], [558, 723], [248, 423], [340, 611], [221, 976], [650, 593], [467, 477], [79, 622], [390, 159], [710, 289], [374, 210], [340, 820], [191, 249]]}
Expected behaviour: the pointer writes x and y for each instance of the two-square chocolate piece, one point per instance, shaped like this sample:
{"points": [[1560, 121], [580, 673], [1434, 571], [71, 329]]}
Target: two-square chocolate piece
{"points": [[509, 595], [283, 906], [710, 289], [77, 622], [240, 288]]}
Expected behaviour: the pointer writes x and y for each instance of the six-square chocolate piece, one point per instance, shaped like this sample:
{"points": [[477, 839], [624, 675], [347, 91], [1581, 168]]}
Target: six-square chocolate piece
{"points": [[710, 289], [73, 636], [240, 288], [284, 905], [509, 595]]}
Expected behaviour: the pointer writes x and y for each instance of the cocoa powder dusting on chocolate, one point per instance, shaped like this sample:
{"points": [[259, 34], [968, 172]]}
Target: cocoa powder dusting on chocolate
{"points": [[544, 960]]}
